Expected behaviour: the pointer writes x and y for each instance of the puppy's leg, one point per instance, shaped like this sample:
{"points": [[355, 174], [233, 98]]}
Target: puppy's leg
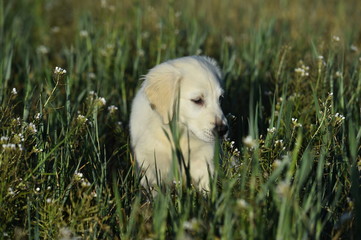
{"points": [[200, 171], [156, 171]]}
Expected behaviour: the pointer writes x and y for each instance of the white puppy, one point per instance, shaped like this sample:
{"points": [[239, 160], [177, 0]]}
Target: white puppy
{"points": [[194, 83]]}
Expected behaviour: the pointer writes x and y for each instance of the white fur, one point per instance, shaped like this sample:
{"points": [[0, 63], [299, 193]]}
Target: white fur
{"points": [[193, 78]]}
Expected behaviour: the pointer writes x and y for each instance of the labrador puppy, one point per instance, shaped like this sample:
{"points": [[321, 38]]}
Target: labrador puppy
{"points": [[189, 90]]}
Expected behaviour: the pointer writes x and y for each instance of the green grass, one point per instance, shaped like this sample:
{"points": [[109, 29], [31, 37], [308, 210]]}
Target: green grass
{"points": [[66, 168]]}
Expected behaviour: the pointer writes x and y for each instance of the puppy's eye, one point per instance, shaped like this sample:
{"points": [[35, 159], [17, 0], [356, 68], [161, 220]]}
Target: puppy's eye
{"points": [[198, 101]]}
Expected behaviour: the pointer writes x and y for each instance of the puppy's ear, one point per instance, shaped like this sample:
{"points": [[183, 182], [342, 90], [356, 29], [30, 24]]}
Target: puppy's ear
{"points": [[161, 88]]}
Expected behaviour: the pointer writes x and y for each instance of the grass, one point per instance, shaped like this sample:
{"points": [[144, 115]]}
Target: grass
{"points": [[290, 170]]}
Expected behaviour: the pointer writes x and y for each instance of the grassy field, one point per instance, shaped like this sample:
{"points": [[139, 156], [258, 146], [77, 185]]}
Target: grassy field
{"points": [[292, 77]]}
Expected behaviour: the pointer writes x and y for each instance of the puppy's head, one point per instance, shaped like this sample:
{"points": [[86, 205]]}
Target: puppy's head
{"points": [[195, 81]]}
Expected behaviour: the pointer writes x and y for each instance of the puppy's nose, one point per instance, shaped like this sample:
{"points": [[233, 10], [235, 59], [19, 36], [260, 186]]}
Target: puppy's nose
{"points": [[221, 128]]}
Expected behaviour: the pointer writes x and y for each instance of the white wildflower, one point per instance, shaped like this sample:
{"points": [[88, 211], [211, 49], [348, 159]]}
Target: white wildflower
{"points": [[11, 191], [141, 53], [85, 183], [21, 137], [271, 130], [17, 121], [12, 146], [83, 33], [32, 128], [163, 46], [176, 182], [110, 47], [111, 8], [66, 234], [283, 188], [279, 142], [268, 93], [159, 25], [81, 119], [303, 70], [103, 52], [18, 137], [20, 147], [299, 70], [249, 142], [178, 14], [339, 117], [14, 92], [236, 152], [229, 40], [78, 176], [9, 146], [242, 203], [295, 122], [42, 50], [145, 35], [276, 163], [101, 101], [4, 139], [321, 62], [94, 194], [59, 71], [112, 109], [37, 116], [55, 29], [353, 48], [91, 75], [37, 150], [103, 4], [336, 38], [191, 224], [37, 189]]}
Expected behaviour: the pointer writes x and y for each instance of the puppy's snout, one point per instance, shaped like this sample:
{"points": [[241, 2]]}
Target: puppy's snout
{"points": [[221, 128]]}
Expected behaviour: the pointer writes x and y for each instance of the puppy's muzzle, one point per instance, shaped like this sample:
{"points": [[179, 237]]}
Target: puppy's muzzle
{"points": [[220, 128]]}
